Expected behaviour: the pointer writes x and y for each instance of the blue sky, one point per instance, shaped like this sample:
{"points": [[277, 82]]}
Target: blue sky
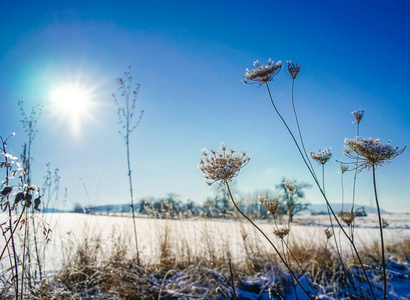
{"points": [[190, 57]]}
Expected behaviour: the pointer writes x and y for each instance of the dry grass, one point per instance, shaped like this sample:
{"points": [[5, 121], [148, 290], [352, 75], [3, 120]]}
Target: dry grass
{"points": [[97, 267]]}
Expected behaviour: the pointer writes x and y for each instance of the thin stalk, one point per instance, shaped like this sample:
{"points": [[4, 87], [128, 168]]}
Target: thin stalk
{"points": [[132, 198], [298, 127], [355, 171], [268, 239], [354, 183], [290, 207], [381, 232], [288, 260], [321, 191], [24, 252], [14, 269], [232, 279], [10, 257], [12, 233], [301, 269], [343, 191], [334, 237], [291, 134]]}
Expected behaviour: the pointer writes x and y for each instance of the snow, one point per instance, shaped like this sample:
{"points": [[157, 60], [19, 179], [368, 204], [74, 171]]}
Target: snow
{"points": [[221, 236]]}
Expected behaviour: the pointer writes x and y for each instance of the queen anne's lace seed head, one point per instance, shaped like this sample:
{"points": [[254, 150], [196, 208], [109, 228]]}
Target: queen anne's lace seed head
{"points": [[271, 205], [358, 115], [385, 223], [281, 232], [290, 186], [293, 69], [329, 232], [343, 168], [348, 217], [222, 166], [371, 153], [322, 156], [262, 73]]}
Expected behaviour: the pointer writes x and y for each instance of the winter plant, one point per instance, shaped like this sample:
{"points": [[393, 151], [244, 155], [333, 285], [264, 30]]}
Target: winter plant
{"points": [[16, 199], [222, 167], [365, 153], [126, 115]]}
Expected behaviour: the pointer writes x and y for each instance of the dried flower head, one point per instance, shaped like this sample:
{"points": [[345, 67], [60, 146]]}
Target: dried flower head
{"points": [[223, 166], [271, 205], [348, 217], [281, 232], [343, 168], [385, 223], [293, 69], [19, 196], [6, 190], [37, 203], [371, 153], [322, 156], [358, 115], [291, 186], [329, 232], [262, 73]]}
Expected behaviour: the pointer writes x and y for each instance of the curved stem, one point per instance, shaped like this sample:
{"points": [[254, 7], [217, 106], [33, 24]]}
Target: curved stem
{"points": [[334, 237], [322, 192], [268, 239], [291, 134], [298, 127], [381, 232]]}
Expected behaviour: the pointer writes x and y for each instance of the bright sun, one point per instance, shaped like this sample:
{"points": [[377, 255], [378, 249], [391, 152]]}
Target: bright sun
{"points": [[73, 103]]}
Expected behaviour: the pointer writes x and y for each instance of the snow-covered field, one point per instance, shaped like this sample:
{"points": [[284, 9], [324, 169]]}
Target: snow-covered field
{"points": [[202, 238], [198, 234]]}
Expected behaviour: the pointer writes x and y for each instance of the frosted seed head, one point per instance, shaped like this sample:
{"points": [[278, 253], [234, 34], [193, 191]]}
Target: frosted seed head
{"points": [[281, 232], [322, 156], [222, 167], [262, 73], [293, 69], [358, 115], [371, 153], [348, 217], [329, 232]]}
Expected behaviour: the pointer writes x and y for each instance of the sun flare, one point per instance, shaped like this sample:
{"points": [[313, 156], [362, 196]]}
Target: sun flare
{"points": [[72, 103]]}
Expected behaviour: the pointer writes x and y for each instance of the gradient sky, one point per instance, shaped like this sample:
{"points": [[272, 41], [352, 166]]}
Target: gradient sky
{"points": [[190, 57]]}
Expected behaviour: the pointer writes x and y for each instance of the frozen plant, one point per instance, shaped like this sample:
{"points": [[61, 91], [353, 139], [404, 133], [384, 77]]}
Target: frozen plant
{"points": [[15, 194], [126, 116], [265, 74], [221, 167], [372, 153], [358, 115], [262, 73], [322, 156]]}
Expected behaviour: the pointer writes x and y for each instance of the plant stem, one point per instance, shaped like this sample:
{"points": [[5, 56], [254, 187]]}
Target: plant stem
{"points": [[381, 232], [268, 239], [298, 127], [24, 259], [12, 233], [321, 190], [132, 194]]}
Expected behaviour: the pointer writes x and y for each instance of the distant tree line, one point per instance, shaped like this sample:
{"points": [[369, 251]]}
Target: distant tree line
{"points": [[218, 206]]}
